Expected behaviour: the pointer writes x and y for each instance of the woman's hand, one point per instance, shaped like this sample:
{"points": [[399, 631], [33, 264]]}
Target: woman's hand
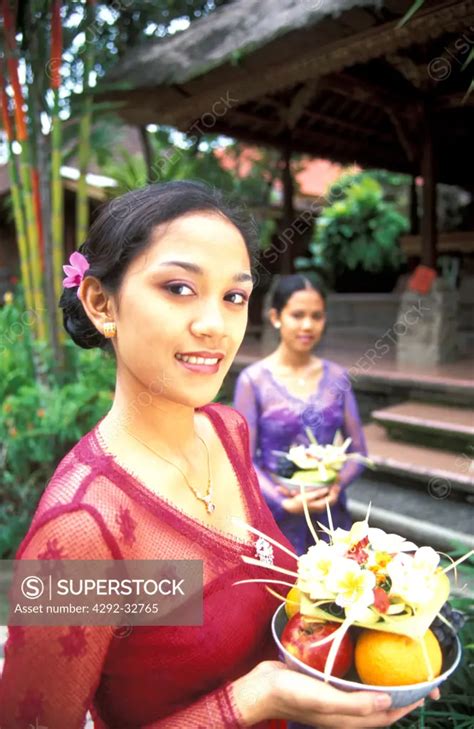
{"points": [[315, 498], [273, 691]]}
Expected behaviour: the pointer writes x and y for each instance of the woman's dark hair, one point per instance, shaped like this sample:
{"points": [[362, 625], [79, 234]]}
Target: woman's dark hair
{"points": [[124, 229], [288, 285]]}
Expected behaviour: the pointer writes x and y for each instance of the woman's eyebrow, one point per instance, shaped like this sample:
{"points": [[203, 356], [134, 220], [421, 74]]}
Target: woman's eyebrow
{"points": [[194, 268]]}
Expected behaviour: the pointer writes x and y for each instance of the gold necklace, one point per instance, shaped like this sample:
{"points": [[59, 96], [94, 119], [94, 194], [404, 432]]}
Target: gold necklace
{"points": [[207, 498]]}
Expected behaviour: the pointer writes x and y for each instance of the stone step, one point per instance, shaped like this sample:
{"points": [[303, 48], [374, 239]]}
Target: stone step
{"points": [[437, 426], [441, 524], [439, 472]]}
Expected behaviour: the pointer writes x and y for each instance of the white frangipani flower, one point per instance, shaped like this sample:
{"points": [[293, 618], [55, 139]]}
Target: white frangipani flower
{"points": [[412, 581], [343, 540], [391, 543], [352, 586], [314, 568], [426, 560]]}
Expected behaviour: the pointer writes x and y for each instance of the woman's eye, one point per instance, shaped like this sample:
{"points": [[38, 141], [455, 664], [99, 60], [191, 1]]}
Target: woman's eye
{"points": [[180, 289], [237, 298]]}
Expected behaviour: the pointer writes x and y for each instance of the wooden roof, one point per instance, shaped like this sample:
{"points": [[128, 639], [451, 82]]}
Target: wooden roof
{"points": [[332, 78]]}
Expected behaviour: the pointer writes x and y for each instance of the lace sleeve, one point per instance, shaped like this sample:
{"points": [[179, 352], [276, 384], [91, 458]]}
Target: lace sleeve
{"points": [[51, 673], [352, 428], [246, 402], [217, 709]]}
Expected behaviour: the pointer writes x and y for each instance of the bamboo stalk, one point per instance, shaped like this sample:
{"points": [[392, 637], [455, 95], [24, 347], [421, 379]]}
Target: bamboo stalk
{"points": [[82, 203], [57, 196], [32, 222], [18, 212]]}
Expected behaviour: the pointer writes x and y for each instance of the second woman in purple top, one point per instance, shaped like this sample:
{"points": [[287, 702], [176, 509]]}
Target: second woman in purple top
{"points": [[289, 391]]}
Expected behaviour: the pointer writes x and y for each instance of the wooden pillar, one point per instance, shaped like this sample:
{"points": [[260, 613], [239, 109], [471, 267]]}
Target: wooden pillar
{"points": [[287, 233], [428, 171]]}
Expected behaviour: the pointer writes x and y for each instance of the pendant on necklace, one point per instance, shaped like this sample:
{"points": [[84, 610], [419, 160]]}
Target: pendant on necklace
{"points": [[210, 506]]}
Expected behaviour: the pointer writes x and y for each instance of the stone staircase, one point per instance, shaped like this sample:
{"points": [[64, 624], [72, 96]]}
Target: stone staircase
{"points": [[429, 424], [423, 485]]}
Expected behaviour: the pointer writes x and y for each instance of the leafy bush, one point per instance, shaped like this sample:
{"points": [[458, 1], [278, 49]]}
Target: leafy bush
{"points": [[454, 709], [358, 230], [41, 421]]}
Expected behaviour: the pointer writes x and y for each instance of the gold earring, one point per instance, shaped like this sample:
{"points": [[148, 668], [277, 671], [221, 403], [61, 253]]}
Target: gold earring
{"points": [[110, 329]]}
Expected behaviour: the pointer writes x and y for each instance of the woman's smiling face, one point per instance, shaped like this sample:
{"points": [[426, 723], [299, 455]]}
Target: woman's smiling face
{"points": [[181, 310]]}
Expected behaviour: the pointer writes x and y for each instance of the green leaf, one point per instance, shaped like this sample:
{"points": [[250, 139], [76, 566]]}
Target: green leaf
{"points": [[410, 12]]}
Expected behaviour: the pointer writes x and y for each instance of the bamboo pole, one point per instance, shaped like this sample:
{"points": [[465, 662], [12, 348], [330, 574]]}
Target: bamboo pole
{"points": [[82, 202], [57, 195], [18, 212], [32, 222]]}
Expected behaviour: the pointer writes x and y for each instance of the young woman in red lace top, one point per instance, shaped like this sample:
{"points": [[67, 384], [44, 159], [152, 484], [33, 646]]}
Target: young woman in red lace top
{"points": [[166, 274]]}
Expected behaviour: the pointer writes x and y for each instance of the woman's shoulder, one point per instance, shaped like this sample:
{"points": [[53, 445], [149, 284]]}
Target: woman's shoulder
{"points": [[335, 370], [223, 416], [84, 458], [254, 372], [76, 500], [336, 373], [81, 468]]}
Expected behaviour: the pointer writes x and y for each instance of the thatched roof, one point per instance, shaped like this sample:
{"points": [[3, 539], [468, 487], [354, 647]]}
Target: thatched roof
{"points": [[233, 31], [334, 78]]}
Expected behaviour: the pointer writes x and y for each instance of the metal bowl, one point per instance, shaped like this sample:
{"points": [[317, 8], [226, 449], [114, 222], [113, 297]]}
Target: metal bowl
{"points": [[401, 695]]}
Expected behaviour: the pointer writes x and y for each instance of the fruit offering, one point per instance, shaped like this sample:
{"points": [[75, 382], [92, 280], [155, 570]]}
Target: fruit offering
{"points": [[365, 578], [387, 659], [301, 637]]}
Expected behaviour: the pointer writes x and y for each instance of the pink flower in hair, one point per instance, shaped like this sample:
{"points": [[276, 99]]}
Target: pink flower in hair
{"points": [[75, 271]]}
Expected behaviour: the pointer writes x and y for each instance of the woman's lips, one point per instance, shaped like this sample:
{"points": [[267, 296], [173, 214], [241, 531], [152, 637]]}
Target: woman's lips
{"points": [[204, 369], [306, 339]]}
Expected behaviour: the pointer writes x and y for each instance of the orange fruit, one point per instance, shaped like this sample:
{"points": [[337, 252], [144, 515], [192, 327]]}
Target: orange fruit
{"points": [[292, 605], [389, 659]]}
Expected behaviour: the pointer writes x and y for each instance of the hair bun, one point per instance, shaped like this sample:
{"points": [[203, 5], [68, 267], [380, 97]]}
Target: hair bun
{"points": [[77, 323]]}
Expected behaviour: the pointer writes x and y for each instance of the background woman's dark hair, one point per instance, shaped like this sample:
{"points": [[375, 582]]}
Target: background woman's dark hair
{"points": [[124, 229], [288, 285]]}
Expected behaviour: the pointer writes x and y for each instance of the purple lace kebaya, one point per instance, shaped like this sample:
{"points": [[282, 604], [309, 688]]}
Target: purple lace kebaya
{"points": [[277, 419]]}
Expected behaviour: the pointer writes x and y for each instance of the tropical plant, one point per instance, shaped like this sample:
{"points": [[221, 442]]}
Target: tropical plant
{"points": [[40, 420], [358, 231]]}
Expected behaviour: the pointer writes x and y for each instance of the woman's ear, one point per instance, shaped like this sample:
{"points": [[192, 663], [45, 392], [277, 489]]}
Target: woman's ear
{"points": [[274, 318], [97, 304]]}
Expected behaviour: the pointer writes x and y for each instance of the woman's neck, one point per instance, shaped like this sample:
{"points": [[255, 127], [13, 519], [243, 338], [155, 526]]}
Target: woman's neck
{"points": [[162, 424], [285, 357]]}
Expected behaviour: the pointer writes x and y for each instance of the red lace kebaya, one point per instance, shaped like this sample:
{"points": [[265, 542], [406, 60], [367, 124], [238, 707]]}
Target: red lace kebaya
{"points": [[144, 677]]}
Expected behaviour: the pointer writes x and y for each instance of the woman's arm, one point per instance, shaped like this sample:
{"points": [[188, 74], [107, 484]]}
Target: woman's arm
{"points": [[352, 428], [51, 673], [246, 402], [216, 709]]}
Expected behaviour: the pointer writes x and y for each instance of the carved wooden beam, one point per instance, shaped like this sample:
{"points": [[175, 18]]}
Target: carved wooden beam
{"points": [[416, 75]]}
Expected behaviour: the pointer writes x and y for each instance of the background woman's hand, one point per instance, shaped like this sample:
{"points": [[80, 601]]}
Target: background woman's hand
{"points": [[273, 691], [334, 492], [316, 499]]}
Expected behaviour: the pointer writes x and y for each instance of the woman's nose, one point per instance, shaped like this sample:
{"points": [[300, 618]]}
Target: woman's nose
{"points": [[208, 321]]}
